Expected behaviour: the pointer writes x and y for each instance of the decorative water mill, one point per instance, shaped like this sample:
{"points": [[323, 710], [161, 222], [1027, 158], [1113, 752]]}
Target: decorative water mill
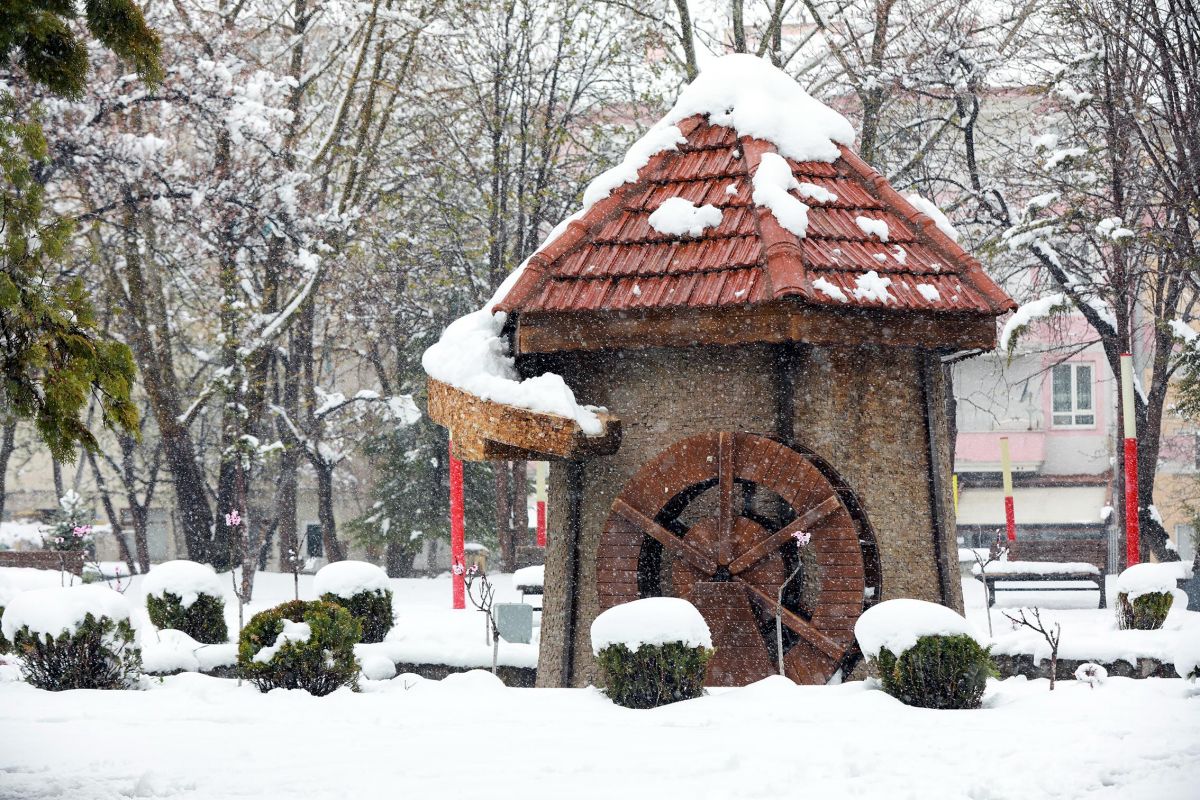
{"points": [[758, 380], [732, 557]]}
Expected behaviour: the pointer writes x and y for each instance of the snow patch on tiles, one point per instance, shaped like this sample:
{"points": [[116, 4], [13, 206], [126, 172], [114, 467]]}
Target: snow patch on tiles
{"points": [[830, 290], [876, 227], [773, 182], [678, 216], [900, 254], [473, 356], [930, 210], [818, 194], [662, 137], [731, 189], [872, 287], [929, 292], [757, 99]]}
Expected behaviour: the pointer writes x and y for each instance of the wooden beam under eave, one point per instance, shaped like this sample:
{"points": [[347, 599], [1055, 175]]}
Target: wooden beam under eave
{"points": [[771, 323], [484, 430]]}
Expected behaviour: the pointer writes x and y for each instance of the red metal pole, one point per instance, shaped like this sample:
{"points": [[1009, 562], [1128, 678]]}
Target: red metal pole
{"points": [[457, 532], [540, 495], [1129, 425], [1010, 516]]}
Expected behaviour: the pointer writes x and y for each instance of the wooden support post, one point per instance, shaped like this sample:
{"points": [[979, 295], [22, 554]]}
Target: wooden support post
{"points": [[540, 497], [1010, 517], [1129, 431], [457, 532]]}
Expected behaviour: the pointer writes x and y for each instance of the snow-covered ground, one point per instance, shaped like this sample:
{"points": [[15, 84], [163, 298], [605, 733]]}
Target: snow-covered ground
{"points": [[192, 736], [203, 738]]}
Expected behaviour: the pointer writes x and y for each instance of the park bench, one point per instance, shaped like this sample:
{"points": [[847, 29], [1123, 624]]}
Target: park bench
{"points": [[529, 580], [1078, 561]]}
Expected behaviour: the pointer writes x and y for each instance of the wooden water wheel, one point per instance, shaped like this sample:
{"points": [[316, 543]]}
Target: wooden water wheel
{"points": [[712, 518]]}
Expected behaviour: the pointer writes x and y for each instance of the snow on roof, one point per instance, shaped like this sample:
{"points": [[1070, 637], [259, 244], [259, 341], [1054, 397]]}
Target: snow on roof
{"points": [[187, 580], [898, 624], [60, 609], [473, 355], [651, 620], [348, 578]]}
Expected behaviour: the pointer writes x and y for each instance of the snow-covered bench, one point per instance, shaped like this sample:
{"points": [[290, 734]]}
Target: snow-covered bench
{"points": [[1080, 561], [529, 580]]}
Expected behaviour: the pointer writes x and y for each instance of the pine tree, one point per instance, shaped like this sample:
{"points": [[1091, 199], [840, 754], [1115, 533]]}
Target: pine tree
{"points": [[54, 356]]}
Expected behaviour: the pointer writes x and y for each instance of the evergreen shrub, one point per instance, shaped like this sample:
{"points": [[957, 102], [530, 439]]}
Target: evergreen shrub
{"points": [[99, 654], [372, 609], [5, 645], [320, 664], [937, 672], [653, 675], [1146, 612], [203, 620]]}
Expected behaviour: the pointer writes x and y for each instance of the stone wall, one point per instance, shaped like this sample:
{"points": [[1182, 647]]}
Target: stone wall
{"points": [[862, 409]]}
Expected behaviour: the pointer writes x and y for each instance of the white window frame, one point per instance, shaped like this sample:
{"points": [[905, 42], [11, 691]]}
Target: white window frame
{"points": [[1076, 411]]}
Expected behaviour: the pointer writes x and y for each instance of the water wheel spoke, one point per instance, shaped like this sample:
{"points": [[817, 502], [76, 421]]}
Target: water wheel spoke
{"points": [[667, 539], [809, 519], [797, 624], [725, 475]]}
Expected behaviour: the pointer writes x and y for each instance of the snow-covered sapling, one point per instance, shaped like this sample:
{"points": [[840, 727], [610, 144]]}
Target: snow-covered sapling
{"points": [[1050, 634], [997, 552], [802, 538], [482, 594]]}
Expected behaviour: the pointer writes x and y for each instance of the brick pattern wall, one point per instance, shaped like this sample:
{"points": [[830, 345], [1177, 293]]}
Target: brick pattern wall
{"points": [[859, 408]]}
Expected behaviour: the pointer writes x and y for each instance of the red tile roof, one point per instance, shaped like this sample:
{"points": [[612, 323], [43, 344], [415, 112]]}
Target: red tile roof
{"points": [[612, 260]]}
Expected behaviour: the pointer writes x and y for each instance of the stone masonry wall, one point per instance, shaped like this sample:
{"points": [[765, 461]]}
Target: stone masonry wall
{"points": [[859, 408]]}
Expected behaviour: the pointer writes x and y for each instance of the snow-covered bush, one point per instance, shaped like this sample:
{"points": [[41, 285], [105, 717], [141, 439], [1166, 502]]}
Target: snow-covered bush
{"points": [[1144, 595], [652, 651], [76, 637], [186, 596], [926, 654], [4, 643], [1091, 674], [1187, 657], [301, 644], [363, 590]]}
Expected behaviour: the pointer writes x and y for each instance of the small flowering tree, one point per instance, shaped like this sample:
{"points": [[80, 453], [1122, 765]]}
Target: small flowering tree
{"points": [[71, 531], [482, 594], [802, 539]]}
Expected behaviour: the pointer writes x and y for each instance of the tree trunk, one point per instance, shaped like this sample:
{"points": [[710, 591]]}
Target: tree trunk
{"points": [[520, 508], [398, 560], [333, 548], [504, 514], [7, 445]]}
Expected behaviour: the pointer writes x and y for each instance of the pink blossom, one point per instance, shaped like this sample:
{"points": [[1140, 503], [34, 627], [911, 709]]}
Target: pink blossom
{"points": [[802, 538], [457, 569], [233, 518], [81, 530]]}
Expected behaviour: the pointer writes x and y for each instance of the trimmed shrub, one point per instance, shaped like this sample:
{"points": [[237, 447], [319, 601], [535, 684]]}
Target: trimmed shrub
{"points": [[301, 644], [1146, 612], [372, 609], [99, 654], [362, 589], [937, 672], [654, 674], [203, 620]]}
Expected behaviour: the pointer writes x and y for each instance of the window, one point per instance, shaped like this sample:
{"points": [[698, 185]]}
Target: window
{"points": [[313, 541], [1071, 399]]}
